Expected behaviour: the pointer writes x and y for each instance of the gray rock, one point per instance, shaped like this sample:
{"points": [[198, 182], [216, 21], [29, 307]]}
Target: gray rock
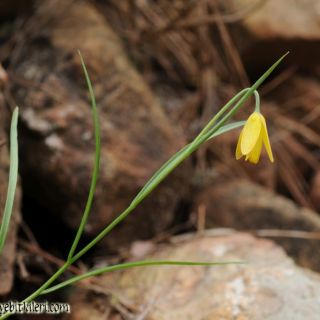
{"points": [[269, 286]]}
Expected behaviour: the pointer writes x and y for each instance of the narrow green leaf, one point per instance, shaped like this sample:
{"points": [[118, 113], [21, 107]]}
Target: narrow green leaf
{"points": [[222, 130], [227, 127], [96, 163], [13, 177], [135, 264], [222, 111]]}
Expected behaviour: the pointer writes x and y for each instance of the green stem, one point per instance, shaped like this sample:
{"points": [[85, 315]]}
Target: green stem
{"points": [[257, 98], [222, 111], [205, 130]]}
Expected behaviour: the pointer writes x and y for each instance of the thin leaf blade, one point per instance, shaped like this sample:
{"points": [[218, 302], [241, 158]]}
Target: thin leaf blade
{"points": [[135, 264], [13, 178]]}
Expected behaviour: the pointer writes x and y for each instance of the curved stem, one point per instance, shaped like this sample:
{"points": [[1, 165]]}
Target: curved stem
{"points": [[257, 98]]}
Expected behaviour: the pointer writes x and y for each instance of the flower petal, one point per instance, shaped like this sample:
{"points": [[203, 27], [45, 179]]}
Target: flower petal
{"points": [[254, 155], [251, 133], [265, 138], [238, 150]]}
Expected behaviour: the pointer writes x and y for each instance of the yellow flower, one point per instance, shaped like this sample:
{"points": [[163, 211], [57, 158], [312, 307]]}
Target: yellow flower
{"points": [[252, 136]]}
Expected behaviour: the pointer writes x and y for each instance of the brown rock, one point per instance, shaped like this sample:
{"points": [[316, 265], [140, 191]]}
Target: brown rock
{"points": [[288, 19], [274, 27], [58, 142], [7, 257], [269, 286], [245, 206]]}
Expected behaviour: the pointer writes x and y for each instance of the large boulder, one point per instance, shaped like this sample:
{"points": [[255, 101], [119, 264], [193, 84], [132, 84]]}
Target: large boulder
{"points": [[57, 129], [269, 286]]}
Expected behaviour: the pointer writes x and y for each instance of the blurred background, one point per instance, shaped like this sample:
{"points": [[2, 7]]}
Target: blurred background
{"points": [[160, 70]]}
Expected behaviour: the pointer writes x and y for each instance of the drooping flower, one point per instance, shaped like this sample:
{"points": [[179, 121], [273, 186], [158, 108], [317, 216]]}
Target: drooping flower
{"points": [[253, 135]]}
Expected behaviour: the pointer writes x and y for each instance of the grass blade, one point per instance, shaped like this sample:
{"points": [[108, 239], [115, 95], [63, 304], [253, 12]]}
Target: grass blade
{"points": [[223, 110], [13, 177], [135, 264], [96, 163], [222, 130], [227, 127]]}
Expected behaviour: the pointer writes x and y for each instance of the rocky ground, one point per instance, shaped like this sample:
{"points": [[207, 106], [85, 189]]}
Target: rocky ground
{"points": [[160, 70]]}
